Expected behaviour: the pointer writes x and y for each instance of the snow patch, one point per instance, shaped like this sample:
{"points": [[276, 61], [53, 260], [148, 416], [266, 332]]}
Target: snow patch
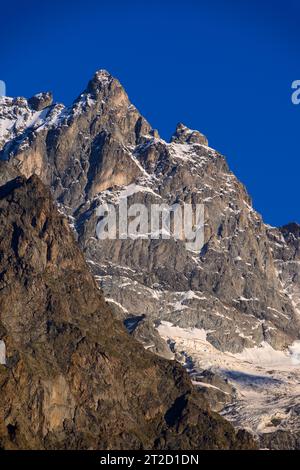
{"points": [[170, 331], [295, 352], [2, 353]]}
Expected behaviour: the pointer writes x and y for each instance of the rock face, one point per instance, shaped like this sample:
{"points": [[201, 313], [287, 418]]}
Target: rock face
{"points": [[7, 173], [285, 243], [92, 151], [40, 101], [241, 290], [71, 376], [184, 135], [216, 390]]}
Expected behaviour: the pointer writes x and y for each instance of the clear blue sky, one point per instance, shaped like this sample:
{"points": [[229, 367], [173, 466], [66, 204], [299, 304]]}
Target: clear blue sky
{"points": [[223, 67]]}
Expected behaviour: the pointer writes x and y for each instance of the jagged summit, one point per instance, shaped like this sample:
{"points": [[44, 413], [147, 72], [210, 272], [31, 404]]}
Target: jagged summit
{"points": [[104, 103], [240, 293], [100, 81], [41, 101], [103, 75], [101, 144], [183, 135], [291, 228]]}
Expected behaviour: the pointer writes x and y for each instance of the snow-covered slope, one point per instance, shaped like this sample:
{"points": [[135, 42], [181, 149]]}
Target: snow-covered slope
{"points": [[18, 120], [267, 382]]}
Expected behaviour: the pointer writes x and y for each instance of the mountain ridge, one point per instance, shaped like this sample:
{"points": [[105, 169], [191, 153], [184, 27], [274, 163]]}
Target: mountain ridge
{"points": [[240, 293], [102, 143]]}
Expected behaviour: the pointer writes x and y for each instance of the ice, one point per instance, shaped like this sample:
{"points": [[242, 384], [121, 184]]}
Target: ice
{"points": [[267, 381]]}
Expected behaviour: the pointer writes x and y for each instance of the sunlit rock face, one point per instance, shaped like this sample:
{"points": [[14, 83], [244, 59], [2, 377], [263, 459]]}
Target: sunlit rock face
{"points": [[2, 352]]}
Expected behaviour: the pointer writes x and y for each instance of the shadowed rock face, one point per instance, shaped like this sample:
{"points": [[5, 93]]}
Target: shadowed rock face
{"points": [[242, 289], [73, 377], [285, 243]]}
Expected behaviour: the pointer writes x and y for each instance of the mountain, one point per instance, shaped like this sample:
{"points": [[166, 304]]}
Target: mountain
{"points": [[71, 376], [232, 307]]}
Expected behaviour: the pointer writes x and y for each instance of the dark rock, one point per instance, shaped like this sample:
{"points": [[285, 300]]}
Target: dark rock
{"points": [[280, 440], [218, 392]]}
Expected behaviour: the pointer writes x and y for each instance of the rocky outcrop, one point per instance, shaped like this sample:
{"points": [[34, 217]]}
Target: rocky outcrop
{"points": [[144, 331], [241, 290], [58, 150], [184, 135], [72, 377], [217, 390], [7, 173], [40, 101], [280, 440], [92, 151], [285, 243]]}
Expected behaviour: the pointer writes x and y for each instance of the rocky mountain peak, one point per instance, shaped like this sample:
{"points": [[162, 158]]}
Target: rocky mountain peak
{"points": [[40, 101], [103, 76], [99, 82], [184, 135], [101, 144]]}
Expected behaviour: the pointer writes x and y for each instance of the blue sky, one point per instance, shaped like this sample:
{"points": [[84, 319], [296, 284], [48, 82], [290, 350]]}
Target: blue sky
{"points": [[223, 67]]}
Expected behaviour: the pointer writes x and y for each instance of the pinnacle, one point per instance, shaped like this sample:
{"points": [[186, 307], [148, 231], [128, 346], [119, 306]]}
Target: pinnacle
{"points": [[184, 135]]}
